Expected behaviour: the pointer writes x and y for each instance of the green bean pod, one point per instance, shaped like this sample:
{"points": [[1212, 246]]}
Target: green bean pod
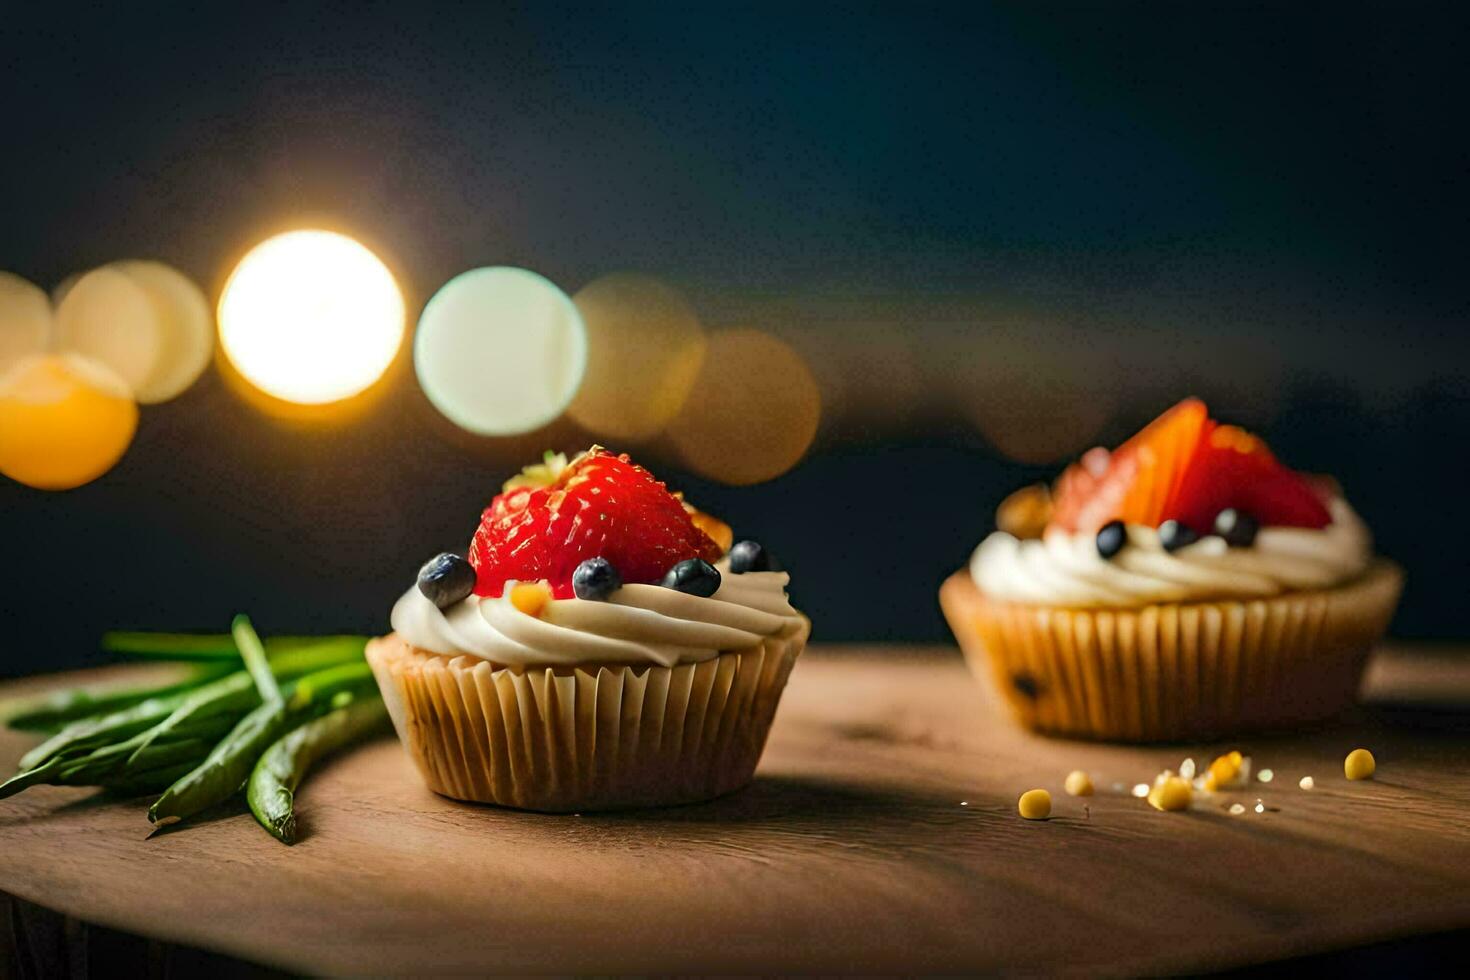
{"points": [[224, 772], [210, 646], [271, 791], [196, 712], [51, 712]]}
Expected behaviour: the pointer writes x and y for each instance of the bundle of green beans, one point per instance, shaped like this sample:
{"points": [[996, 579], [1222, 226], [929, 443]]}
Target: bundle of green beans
{"points": [[247, 716]]}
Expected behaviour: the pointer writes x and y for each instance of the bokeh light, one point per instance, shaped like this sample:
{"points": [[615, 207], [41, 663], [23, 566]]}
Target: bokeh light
{"points": [[754, 411], [25, 319], [311, 317], [500, 351], [109, 317], [644, 348], [65, 419], [186, 326]]}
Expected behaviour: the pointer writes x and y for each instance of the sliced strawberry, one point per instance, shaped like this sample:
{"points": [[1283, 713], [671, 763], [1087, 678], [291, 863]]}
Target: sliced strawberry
{"points": [[1234, 469], [597, 505], [1183, 466], [1139, 478]]}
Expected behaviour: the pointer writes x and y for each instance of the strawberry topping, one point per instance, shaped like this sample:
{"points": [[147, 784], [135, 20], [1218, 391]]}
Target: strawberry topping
{"points": [[598, 505], [1185, 467]]}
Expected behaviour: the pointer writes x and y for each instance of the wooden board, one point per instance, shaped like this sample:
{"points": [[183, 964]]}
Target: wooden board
{"points": [[880, 835]]}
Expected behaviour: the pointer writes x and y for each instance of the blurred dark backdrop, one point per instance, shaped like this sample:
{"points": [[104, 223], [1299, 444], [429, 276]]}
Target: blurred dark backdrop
{"points": [[999, 233]]}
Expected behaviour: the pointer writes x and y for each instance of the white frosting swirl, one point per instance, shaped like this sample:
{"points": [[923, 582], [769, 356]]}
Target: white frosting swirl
{"points": [[637, 624], [1065, 569]]}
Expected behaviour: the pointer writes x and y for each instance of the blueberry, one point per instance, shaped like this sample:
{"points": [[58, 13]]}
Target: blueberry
{"points": [[751, 556], [1237, 527], [694, 576], [596, 579], [1026, 686], [1111, 538], [446, 579], [1173, 535]]}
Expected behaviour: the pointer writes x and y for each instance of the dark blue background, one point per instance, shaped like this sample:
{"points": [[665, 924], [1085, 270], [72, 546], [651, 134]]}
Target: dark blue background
{"points": [[1267, 206]]}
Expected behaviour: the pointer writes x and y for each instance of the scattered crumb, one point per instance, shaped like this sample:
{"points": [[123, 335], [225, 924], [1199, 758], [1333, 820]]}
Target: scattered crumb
{"points": [[1307, 782], [1078, 783], [1265, 775], [1186, 769], [1359, 764], [1237, 808], [1260, 807], [1140, 790]]}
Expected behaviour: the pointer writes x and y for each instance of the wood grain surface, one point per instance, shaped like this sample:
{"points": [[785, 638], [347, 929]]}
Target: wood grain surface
{"points": [[881, 834]]}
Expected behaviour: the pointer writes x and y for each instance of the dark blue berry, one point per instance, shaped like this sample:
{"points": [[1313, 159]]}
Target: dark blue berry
{"points": [[694, 576], [1026, 686], [1173, 535], [1237, 527], [1111, 538], [596, 579], [446, 579], [751, 556]]}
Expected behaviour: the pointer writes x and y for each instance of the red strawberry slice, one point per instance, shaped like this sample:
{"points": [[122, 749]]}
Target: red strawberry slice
{"points": [[1233, 468], [1183, 466], [1138, 480], [599, 505]]}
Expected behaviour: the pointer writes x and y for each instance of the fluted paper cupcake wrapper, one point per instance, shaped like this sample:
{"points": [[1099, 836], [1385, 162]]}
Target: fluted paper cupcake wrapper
{"points": [[584, 738], [1177, 670]]}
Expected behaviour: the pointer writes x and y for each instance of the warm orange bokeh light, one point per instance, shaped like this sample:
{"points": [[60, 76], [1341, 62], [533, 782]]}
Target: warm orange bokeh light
{"points": [[64, 421], [644, 348], [754, 412]]}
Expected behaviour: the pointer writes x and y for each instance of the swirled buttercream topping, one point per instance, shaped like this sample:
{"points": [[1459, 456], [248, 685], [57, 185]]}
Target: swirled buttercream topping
{"points": [[637, 624], [1062, 568]]}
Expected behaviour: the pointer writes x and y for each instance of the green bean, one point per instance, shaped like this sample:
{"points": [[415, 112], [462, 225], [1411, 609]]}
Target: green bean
{"points": [[223, 773], [233, 694], [271, 791], [253, 653], [51, 712], [208, 646], [110, 763], [89, 733]]}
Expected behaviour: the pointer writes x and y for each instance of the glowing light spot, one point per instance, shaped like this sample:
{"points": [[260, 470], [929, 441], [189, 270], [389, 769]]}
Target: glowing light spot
{"points": [[311, 317], [500, 351], [109, 317], [644, 348], [754, 413], [25, 319], [64, 420], [186, 328]]}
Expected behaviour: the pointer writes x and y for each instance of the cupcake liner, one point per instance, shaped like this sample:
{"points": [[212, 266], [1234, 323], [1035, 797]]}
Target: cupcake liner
{"points": [[1178, 670], [584, 738]]}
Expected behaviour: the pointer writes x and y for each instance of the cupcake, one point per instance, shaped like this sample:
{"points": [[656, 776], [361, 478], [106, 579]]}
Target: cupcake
{"points": [[1185, 585], [603, 645]]}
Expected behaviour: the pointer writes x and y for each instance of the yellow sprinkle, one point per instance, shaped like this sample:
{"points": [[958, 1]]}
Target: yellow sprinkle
{"points": [[1172, 793], [1078, 783], [1359, 764], [1223, 770], [1035, 804], [530, 597], [1307, 782]]}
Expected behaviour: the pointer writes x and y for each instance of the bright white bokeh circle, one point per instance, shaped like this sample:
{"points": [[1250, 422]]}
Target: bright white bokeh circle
{"points": [[311, 317], [500, 351]]}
